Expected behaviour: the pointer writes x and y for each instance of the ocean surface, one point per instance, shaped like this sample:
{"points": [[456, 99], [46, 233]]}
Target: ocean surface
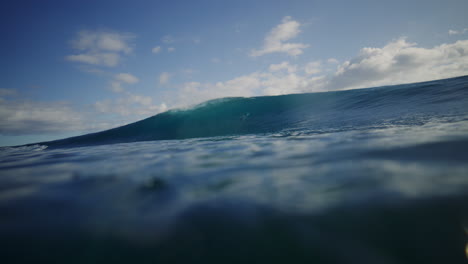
{"points": [[377, 175]]}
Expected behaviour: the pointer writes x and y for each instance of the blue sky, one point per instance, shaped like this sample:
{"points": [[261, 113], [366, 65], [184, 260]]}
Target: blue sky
{"points": [[74, 67]]}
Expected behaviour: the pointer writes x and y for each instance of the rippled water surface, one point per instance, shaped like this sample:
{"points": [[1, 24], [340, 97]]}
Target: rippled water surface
{"points": [[365, 192]]}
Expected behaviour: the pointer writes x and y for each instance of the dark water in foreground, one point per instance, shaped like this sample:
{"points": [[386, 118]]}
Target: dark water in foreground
{"points": [[366, 176]]}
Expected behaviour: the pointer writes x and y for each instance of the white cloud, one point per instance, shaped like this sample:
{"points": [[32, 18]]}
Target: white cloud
{"points": [[119, 79], [156, 49], [26, 117], [92, 70], [116, 87], [332, 61], [164, 78], [131, 106], [101, 47], [401, 62], [29, 117], [274, 84], [85, 58], [397, 62], [171, 49], [103, 41], [105, 59], [7, 92], [194, 92], [127, 78], [276, 40], [314, 67], [168, 39], [283, 66], [452, 32], [280, 79]]}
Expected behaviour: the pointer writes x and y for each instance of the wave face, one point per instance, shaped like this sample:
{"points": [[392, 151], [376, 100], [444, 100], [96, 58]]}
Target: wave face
{"points": [[409, 104]]}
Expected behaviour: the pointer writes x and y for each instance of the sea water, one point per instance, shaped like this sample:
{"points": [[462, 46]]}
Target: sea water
{"points": [[374, 175]]}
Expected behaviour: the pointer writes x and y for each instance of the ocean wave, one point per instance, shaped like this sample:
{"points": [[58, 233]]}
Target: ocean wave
{"points": [[399, 105]]}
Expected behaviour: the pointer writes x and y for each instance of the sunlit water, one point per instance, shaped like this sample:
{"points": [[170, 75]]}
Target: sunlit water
{"points": [[364, 193]]}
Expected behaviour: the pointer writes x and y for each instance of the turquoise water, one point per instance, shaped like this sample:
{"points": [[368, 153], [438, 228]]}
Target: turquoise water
{"points": [[374, 175]]}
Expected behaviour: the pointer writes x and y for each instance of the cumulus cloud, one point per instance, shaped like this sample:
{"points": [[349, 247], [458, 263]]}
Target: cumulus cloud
{"points": [[283, 66], [104, 59], [22, 117], [452, 32], [119, 79], [276, 39], [116, 87], [397, 62], [102, 48], [156, 49], [29, 117], [126, 77], [332, 60], [313, 67], [164, 78], [195, 92], [103, 40], [7, 92], [131, 106], [279, 79], [171, 49], [401, 62]]}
